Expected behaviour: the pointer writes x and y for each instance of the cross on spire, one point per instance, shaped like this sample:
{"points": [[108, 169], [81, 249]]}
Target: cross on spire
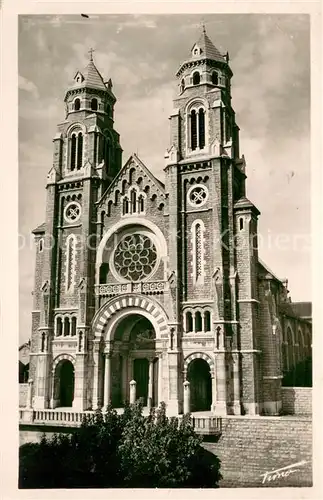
{"points": [[203, 26], [91, 53]]}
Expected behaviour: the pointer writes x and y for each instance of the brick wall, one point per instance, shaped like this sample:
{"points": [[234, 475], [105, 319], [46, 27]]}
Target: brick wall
{"points": [[250, 446], [297, 400], [23, 388]]}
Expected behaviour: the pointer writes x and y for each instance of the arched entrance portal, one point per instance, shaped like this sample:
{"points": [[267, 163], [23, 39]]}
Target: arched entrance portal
{"points": [[199, 376], [133, 357], [64, 384]]}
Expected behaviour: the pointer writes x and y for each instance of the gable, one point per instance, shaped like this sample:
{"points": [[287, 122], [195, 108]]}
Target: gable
{"points": [[133, 177]]}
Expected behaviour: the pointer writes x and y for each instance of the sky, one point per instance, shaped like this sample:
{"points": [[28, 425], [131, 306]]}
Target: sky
{"points": [[270, 60]]}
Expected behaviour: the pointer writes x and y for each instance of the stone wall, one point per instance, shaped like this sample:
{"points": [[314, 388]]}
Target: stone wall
{"points": [[297, 400], [250, 446], [23, 388]]}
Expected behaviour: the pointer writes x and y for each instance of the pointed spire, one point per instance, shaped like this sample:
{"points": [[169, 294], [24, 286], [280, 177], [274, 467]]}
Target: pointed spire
{"points": [[207, 49]]}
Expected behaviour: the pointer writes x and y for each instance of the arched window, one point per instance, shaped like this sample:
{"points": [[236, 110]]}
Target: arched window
{"points": [[125, 209], [94, 104], [66, 327], [241, 223], [70, 262], [73, 152], [189, 322], [107, 151], [77, 104], [196, 78], [207, 321], [102, 216], [73, 329], [59, 327], [41, 244], [96, 153], [193, 130], [182, 87], [108, 110], [228, 130], [79, 150], [198, 322], [43, 338], [141, 204], [215, 78], [201, 128], [133, 201]]}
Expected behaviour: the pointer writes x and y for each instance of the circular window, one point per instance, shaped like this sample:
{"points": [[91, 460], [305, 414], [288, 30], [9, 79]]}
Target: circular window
{"points": [[197, 195], [135, 257], [72, 212]]}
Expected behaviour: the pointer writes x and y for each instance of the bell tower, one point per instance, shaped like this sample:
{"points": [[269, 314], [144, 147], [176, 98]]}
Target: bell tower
{"points": [[205, 178], [87, 156]]}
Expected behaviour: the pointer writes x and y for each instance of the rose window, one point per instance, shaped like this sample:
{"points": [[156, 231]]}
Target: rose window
{"points": [[72, 212], [197, 195], [135, 257]]}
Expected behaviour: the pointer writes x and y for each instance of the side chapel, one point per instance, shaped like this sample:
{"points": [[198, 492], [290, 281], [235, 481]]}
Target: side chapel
{"points": [[156, 282]]}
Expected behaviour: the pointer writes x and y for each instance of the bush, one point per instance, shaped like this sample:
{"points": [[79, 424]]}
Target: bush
{"points": [[127, 450]]}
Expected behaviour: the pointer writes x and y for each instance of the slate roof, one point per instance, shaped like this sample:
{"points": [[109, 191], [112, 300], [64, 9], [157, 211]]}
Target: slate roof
{"points": [[268, 270], [40, 229], [92, 77], [297, 309], [245, 203], [209, 51]]}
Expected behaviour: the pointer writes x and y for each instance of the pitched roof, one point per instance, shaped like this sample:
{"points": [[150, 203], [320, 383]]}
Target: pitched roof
{"points": [[209, 51], [40, 229], [297, 309], [92, 77], [137, 160], [269, 271], [302, 309], [245, 203]]}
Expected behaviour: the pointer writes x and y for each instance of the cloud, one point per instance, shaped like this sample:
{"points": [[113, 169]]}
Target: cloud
{"points": [[138, 21], [27, 86], [270, 61]]}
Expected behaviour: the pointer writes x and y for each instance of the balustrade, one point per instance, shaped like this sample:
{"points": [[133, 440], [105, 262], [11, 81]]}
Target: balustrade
{"points": [[150, 287], [202, 425]]}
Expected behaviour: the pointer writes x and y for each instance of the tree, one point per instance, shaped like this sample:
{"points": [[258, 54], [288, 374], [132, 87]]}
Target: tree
{"points": [[127, 450]]}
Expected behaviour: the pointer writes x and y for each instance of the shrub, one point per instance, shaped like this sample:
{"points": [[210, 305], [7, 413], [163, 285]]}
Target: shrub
{"points": [[127, 450]]}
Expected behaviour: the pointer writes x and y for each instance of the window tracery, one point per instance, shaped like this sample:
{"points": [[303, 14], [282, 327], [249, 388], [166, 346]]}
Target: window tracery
{"points": [[135, 257], [70, 262], [197, 320], [196, 127], [198, 251], [133, 201], [76, 151]]}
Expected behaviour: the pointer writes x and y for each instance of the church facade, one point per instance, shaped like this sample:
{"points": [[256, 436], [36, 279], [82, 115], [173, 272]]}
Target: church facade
{"points": [[152, 282]]}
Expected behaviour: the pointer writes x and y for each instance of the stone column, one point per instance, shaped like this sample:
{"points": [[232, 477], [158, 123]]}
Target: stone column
{"points": [[80, 377], [132, 385], [150, 383], [214, 395], [29, 394], [124, 382], [221, 400], [107, 379], [187, 397], [236, 384], [96, 396]]}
